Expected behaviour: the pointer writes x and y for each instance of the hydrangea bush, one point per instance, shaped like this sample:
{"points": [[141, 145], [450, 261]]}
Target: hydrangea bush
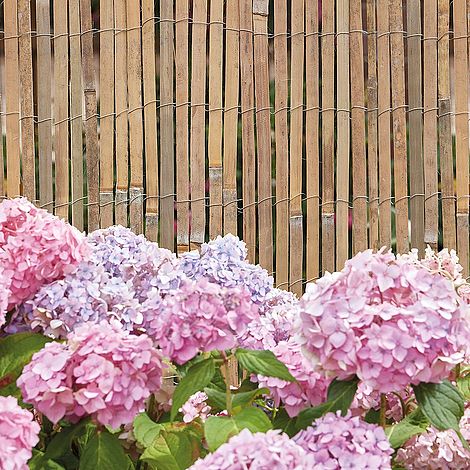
{"points": [[116, 352]]}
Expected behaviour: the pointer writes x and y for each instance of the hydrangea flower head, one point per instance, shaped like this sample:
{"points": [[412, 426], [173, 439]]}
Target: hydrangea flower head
{"points": [[337, 442], [200, 316], [5, 281], [195, 407], [18, 435], [310, 387], [386, 320], [35, 248], [259, 451], [100, 371]]}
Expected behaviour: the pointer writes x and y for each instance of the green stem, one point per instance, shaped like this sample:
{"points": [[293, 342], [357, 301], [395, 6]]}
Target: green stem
{"points": [[151, 406], [228, 393], [457, 371], [383, 409]]}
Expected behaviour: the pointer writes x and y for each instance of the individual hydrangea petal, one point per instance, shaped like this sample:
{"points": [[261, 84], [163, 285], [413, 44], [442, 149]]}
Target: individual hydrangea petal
{"points": [[19, 433], [388, 321], [338, 442], [195, 407], [259, 451], [100, 371]]}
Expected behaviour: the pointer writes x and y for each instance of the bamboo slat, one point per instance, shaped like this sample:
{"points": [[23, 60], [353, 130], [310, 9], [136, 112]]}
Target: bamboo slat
{"points": [[415, 127], [198, 123], [445, 129], [12, 98], [28, 163], [182, 124], [400, 162], [232, 82], [91, 123], [358, 129], [150, 119], [328, 135], [2, 160], [106, 112], [296, 135], [120, 80], [263, 133], [61, 108], [76, 110], [430, 125], [215, 117], [282, 143], [383, 118], [342, 134], [461, 129]]}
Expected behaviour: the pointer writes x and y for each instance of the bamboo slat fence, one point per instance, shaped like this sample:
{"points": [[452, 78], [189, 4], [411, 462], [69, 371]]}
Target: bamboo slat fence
{"points": [[313, 129]]}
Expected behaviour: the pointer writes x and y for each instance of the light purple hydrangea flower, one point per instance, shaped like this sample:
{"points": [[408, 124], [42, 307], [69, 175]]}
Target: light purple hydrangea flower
{"points": [[338, 442], [195, 407], [19, 433], [100, 371], [386, 320], [270, 451]]}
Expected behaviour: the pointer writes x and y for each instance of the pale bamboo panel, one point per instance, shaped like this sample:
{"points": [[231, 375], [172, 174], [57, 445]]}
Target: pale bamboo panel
{"points": [[263, 134], [328, 135], [383, 117], [248, 129], [215, 117], [312, 147], [106, 112], [397, 56], [182, 124], [150, 119], [296, 135], [445, 129], [372, 139], [343, 134], [198, 123], [120, 80], [415, 127], [282, 143], [12, 98], [61, 108], [27, 108], [91, 122], [430, 124], [358, 129], [76, 110], [134, 90], [461, 129], [232, 82]]}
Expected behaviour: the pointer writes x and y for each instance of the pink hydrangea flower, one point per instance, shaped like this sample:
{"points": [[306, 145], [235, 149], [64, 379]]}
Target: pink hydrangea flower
{"points": [[200, 316], [259, 451], [5, 281], [437, 450], [35, 248], [386, 320], [337, 442], [101, 371], [18, 435], [195, 407], [310, 387]]}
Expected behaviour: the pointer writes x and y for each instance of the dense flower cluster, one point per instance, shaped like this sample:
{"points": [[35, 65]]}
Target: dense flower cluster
{"points": [[195, 407], [310, 387], [337, 442], [35, 248], [223, 261], [101, 371], [5, 281], [437, 450], [18, 435], [388, 321], [259, 451], [200, 316]]}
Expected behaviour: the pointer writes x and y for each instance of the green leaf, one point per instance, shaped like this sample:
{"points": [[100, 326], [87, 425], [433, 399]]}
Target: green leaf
{"points": [[415, 423], [441, 403], [15, 352], [146, 430], [463, 384], [219, 429], [103, 451], [245, 399], [216, 398], [285, 423], [198, 377], [38, 462], [172, 451], [263, 363]]}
